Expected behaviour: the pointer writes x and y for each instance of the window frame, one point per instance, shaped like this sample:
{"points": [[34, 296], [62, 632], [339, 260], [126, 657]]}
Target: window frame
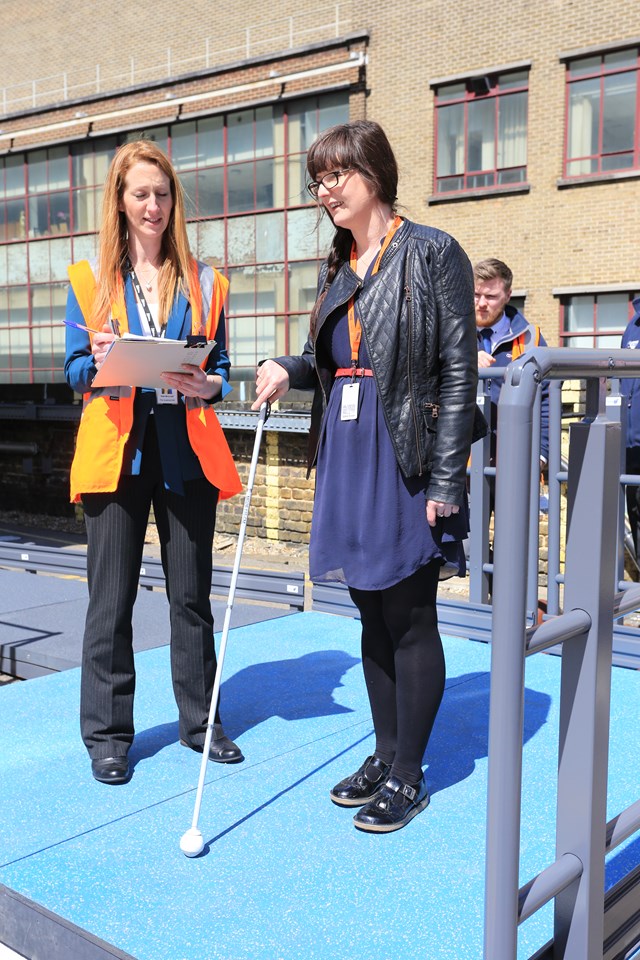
{"points": [[601, 73], [591, 336], [473, 92]]}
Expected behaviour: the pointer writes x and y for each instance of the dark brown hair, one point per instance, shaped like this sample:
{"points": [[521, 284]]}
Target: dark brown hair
{"points": [[361, 145]]}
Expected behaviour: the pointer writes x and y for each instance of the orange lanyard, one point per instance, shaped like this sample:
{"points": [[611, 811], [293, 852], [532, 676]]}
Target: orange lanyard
{"points": [[355, 327]]}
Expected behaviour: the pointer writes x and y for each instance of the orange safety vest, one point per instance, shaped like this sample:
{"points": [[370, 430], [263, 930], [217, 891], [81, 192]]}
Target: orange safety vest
{"points": [[107, 414], [523, 342]]}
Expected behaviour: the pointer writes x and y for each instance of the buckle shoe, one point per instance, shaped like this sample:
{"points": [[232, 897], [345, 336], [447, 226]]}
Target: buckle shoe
{"points": [[361, 786], [393, 806], [222, 749]]}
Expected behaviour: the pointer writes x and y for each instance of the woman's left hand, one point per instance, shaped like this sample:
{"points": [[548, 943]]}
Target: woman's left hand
{"points": [[437, 509], [192, 381]]}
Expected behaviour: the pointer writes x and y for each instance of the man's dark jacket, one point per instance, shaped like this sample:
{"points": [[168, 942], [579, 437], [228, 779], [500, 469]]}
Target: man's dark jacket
{"points": [[418, 323]]}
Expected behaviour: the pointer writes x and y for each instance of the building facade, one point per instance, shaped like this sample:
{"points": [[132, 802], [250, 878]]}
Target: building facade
{"points": [[516, 128]]}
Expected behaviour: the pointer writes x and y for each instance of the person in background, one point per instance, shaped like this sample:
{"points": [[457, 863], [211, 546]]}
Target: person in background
{"points": [[391, 357], [503, 335], [146, 447], [630, 390]]}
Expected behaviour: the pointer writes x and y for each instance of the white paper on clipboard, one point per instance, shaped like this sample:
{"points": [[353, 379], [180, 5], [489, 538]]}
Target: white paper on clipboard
{"points": [[134, 361]]}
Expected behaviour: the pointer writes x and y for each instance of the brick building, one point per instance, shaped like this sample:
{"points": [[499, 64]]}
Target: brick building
{"points": [[517, 129]]}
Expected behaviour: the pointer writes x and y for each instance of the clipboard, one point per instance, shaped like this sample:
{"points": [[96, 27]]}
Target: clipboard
{"points": [[134, 361]]}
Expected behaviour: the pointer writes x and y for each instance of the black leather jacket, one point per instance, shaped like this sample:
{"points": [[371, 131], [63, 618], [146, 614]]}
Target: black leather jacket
{"points": [[418, 322]]}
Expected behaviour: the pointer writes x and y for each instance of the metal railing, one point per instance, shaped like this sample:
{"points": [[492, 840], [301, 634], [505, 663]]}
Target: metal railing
{"points": [[284, 33], [575, 880]]}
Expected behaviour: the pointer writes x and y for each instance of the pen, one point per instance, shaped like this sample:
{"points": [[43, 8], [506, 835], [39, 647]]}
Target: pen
{"points": [[78, 326]]}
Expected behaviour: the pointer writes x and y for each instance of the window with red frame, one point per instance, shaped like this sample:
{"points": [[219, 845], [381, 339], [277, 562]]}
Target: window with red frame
{"points": [[602, 113], [481, 132], [596, 319]]}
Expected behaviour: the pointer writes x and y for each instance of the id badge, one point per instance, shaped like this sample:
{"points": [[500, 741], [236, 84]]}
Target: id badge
{"points": [[166, 395], [349, 407]]}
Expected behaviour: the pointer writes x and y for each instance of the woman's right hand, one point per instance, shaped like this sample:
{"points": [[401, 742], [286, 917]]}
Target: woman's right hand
{"points": [[101, 343], [272, 382]]}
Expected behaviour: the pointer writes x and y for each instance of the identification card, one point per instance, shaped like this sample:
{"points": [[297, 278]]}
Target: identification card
{"points": [[349, 408], [166, 395]]}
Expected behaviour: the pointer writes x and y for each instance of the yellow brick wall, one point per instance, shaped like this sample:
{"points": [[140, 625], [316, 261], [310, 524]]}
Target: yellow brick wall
{"points": [[550, 237]]}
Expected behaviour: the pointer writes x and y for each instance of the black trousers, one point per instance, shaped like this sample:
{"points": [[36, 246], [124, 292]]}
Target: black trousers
{"points": [[116, 526], [404, 668]]}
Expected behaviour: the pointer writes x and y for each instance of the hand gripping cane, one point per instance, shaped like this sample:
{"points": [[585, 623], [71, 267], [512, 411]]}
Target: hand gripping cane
{"points": [[191, 842]]}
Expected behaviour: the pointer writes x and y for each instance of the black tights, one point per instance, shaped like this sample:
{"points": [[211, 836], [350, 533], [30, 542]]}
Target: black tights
{"points": [[404, 669]]}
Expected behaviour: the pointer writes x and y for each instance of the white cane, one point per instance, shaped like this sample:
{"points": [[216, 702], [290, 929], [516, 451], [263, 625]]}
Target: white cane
{"points": [[191, 842]]}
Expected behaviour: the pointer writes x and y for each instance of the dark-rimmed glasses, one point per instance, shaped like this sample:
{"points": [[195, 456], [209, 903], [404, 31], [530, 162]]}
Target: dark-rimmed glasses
{"points": [[329, 181]]}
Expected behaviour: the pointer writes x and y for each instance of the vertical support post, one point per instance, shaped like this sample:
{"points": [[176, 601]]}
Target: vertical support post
{"points": [[515, 423], [586, 682], [534, 516], [615, 412], [480, 505], [555, 497]]}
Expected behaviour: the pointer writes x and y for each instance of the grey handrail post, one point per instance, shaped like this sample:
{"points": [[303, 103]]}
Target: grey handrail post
{"points": [[479, 503], [533, 557], [592, 492], [515, 424], [555, 497]]}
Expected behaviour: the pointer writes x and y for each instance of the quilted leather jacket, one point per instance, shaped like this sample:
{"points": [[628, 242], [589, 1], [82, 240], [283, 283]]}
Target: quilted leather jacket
{"points": [[418, 322]]}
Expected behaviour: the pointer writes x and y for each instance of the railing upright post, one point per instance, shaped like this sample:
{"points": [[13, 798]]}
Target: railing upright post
{"points": [[555, 497], [515, 427], [593, 486], [479, 506], [533, 562]]}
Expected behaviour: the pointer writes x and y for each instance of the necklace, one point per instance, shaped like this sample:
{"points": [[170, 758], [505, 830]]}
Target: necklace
{"points": [[149, 282]]}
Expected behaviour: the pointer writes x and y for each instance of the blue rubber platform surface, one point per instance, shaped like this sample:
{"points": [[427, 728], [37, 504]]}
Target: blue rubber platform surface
{"points": [[284, 874]]}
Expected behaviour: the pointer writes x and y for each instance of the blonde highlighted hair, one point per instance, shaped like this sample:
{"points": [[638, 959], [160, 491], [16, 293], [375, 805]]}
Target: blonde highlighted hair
{"points": [[173, 276]]}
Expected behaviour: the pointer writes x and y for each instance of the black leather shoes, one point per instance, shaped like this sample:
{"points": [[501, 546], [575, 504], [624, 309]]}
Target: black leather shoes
{"points": [[360, 787], [222, 749], [393, 806], [111, 770]]}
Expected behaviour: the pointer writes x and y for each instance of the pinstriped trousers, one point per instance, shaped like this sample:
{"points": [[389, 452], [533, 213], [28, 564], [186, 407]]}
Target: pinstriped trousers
{"points": [[116, 527]]}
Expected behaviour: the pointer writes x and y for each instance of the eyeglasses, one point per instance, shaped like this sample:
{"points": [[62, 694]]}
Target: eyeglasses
{"points": [[329, 181]]}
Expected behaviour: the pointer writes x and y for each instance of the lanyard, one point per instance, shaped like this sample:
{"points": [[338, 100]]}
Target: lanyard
{"points": [[355, 327], [143, 300]]}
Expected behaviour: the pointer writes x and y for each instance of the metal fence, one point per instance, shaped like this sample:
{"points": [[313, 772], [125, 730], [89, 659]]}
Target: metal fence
{"points": [[280, 34], [587, 926]]}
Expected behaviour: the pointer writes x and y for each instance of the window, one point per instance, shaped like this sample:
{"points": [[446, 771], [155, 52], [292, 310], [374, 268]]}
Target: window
{"points": [[595, 319], [248, 214], [481, 132], [602, 114]]}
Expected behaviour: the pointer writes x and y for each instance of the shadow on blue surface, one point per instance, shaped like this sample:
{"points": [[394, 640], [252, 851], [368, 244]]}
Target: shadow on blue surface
{"points": [[294, 689], [460, 735]]}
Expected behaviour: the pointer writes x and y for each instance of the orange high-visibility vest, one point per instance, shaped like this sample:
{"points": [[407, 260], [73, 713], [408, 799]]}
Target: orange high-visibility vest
{"points": [[107, 414], [523, 342]]}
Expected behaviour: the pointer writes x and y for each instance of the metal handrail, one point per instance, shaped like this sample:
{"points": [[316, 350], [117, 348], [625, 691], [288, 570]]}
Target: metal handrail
{"points": [[593, 495]]}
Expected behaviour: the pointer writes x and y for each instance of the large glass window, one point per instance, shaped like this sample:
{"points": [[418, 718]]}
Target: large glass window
{"points": [[602, 114], [481, 133], [596, 319], [248, 214]]}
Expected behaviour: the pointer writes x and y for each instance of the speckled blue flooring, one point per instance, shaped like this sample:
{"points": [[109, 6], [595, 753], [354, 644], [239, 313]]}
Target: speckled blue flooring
{"points": [[284, 875]]}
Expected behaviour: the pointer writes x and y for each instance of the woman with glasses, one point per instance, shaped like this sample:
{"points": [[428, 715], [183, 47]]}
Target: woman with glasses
{"points": [[142, 447], [392, 359]]}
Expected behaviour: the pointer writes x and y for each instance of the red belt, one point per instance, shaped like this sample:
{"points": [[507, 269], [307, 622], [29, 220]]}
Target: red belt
{"points": [[353, 372]]}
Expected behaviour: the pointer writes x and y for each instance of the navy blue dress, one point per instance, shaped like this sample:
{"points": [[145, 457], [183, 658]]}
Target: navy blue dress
{"points": [[369, 526]]}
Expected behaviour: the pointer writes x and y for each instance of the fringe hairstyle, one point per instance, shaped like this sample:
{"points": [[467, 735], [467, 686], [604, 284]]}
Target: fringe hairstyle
{"points": [[173, 276], [360, 145]]}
